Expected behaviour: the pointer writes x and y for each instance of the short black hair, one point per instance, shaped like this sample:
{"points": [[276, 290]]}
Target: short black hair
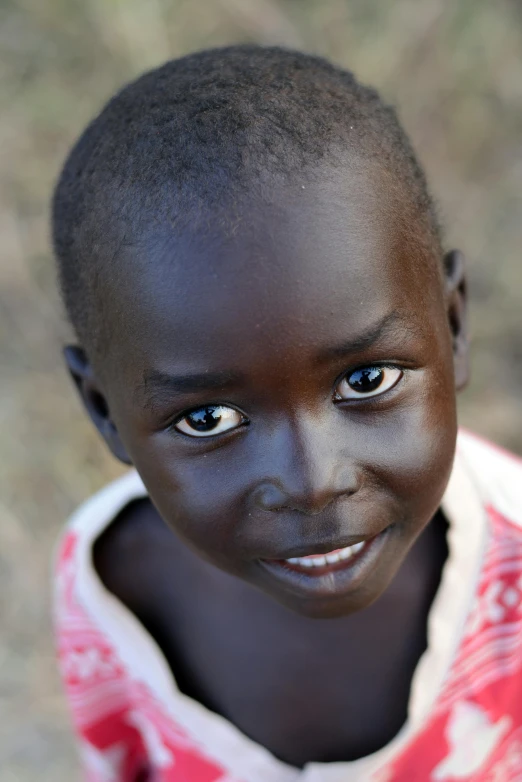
{"points": [[199, 129]]}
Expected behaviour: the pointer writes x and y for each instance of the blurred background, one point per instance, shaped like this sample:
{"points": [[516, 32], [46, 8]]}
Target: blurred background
{"points": [[454, 69]]}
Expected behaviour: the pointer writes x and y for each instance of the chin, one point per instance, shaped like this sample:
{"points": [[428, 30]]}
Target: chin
{"points": [[333, 609], [339, 589]]}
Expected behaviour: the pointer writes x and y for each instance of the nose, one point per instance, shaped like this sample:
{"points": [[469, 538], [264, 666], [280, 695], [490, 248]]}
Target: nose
{"points": [[310, 468]]}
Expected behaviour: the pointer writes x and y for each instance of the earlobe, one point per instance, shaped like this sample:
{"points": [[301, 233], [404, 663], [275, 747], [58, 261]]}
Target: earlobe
{"points": [[94, 399], [456, 302]]}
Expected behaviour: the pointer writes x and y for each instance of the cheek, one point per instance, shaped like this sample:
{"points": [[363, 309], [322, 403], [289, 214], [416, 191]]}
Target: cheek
{"points": [[197, 495], [417, 450]]}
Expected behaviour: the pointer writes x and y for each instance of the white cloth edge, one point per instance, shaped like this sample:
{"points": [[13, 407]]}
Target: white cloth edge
{"points": [[219, 739]]}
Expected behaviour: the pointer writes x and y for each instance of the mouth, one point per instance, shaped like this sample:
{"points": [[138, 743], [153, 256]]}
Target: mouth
{"points": [[338, 571], [315, 564]]}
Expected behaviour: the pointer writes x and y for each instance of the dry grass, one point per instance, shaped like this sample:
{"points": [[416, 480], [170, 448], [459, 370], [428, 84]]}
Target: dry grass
{"points": [[455, 69]]}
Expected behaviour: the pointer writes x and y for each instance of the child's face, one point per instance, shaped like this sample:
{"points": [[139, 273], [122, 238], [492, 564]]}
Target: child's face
{"points": [[301, 456]]}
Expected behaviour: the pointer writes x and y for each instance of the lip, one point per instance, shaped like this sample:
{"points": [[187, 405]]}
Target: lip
{"points": [[328, 581], [325, 548]]}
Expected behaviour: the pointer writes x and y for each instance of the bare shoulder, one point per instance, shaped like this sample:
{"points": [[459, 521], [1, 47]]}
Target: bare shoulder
{"points": [[128, 552]]}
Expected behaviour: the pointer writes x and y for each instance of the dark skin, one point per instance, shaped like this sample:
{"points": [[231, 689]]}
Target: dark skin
{"points": [[268, 324]]}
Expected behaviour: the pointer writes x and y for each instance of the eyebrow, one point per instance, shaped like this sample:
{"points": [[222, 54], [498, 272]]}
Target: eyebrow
{"points": [[157, 385], [392, 323]]}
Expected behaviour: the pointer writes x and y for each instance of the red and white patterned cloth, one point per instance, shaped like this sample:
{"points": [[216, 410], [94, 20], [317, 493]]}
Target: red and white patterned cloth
{"points": [[465, 710]]}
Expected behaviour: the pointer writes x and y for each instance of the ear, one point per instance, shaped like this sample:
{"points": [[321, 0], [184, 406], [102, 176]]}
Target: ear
{"points": [[94, 399], [456, 303]]}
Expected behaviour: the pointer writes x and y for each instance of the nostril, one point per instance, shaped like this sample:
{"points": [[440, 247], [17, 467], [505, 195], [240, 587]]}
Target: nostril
{"points": [[269, 496], [307, 497]]}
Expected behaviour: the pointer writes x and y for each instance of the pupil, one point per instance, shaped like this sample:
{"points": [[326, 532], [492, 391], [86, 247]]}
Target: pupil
{"points": [[365, 380], [204, 420]]}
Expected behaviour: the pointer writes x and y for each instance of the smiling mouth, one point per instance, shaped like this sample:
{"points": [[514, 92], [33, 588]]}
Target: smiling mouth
{"points": [[322, 564], [315, 563], [336, 573]]}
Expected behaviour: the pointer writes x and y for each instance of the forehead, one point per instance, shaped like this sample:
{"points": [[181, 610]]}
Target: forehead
{"points": [[331, 252]]}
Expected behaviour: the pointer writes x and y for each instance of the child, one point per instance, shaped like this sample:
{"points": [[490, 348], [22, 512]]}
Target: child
{"points": [[300, 580]]}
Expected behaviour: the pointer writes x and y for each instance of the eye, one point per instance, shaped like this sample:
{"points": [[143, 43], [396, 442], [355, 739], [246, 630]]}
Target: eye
{"points": [[367, 381], [209, 420]]}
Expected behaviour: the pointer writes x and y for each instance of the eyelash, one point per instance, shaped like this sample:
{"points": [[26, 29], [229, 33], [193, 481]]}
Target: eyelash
{"points": [[368, 398], [205, 408]]}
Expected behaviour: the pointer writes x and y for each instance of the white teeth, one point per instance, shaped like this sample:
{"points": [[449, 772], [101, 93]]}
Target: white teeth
{"points": [[300, 561], [323, 559]]}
